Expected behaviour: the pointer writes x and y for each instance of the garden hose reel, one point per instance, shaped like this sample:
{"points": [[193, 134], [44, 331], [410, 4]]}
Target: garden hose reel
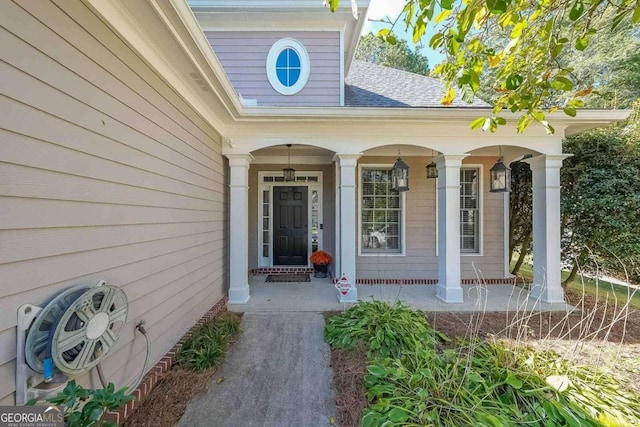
{"points": [[69, 335]]}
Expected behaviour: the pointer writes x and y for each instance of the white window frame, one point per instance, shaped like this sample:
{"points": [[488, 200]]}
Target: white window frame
{"points": [[305, 66], [480, 224], [480, 252], [403, 217], [311, 186]]}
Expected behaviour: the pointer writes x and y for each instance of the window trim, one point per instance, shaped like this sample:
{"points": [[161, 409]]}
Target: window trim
{"points": [[403, 216], [305, 66], [480, 252]]}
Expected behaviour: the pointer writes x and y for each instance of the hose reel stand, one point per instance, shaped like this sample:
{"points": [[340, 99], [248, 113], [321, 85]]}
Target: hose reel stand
{"points": [[71, 334]]}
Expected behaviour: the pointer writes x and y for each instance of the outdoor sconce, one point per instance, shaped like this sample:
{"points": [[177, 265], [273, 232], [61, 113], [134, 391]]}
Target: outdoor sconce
{"points": [[432, 169], [400, 176], [288, 173], [500, 178]]}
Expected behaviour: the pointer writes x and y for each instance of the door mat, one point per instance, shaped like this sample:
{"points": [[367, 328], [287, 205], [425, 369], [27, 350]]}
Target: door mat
{"points": [[288, 278]]}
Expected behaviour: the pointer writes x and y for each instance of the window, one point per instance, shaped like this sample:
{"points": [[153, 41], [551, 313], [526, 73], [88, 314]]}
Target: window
{"points": [[469, 210], [288, 66], [380, 212]]}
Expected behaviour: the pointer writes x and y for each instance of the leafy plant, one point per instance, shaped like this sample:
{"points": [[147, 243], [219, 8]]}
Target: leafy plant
{"points": [[87, 408], [411, 380], [208, 343]]}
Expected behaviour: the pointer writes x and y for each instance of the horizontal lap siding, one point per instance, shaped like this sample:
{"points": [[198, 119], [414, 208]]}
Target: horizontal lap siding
{"points": [[420, 260], [105, 173], [244, 54]]}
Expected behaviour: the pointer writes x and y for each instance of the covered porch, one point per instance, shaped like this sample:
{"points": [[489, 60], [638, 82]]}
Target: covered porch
{"points": [[430, 244], [321, 295]]}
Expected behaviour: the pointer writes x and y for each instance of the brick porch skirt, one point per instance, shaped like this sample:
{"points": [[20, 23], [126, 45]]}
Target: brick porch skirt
{"points": [[154, 375]]}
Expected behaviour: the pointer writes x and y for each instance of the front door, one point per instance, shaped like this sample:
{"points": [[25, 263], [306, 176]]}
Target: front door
{"points": [[290, 224]]}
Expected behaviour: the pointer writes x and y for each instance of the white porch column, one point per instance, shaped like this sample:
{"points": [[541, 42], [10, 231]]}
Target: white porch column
{"points": [[239, 225], [348, 221], [547, 283], [449, 287]]}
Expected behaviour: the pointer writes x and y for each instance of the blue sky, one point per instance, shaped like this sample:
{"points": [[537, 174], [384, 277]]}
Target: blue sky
{"points": [[379, 9]]}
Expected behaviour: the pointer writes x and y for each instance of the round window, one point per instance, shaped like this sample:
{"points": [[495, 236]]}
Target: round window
{"points": [[288, 66]]}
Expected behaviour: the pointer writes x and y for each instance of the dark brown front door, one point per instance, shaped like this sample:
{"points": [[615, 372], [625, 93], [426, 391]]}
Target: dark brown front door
{"points": [[290, 219]]}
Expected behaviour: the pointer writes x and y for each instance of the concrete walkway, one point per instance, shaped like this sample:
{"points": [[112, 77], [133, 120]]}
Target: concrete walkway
{"points": [[278, 374]]}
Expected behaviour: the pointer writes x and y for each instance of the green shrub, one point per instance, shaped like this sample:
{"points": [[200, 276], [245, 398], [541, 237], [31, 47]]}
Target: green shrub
{"points": [[387, 330], [208, 343], [413, 381], [87, 408]]}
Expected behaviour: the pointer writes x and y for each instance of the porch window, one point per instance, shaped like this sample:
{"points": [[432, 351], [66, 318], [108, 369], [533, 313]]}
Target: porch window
{"points": [[380, 213], [469, 210]]}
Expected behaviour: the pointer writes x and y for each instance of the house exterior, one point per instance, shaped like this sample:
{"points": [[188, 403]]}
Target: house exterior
{"points": [[143, 143]]}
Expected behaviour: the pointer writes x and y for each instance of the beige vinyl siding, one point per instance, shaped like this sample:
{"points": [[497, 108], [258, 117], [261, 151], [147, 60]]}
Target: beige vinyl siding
{"points": [[420, 260], [105, 173]]}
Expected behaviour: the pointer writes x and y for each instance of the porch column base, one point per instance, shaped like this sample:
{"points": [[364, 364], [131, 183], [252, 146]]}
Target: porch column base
{"points": [[547, 294], [449, 294], [350, 297], [239, 295]]}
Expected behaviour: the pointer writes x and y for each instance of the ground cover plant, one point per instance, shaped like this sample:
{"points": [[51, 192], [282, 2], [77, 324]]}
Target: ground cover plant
{"points": [[417, 376], [196, 364]]}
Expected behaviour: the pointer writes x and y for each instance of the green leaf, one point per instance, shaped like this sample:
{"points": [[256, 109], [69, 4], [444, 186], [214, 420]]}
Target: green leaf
{"points": [[538, 115], [398, 415], [436, 41], [576, 11], [635, 18], [477, 122], [333, 5], [582, 43], [562, 83], [377, 371], [497, 7], [446, 4], [514, 81], [514, 382], [570, 111]]}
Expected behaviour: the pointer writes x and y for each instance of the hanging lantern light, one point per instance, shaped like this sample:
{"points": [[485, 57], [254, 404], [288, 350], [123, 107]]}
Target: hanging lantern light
{"points": [[289, 173], [432, 169], [500, 178], [400, 176]]}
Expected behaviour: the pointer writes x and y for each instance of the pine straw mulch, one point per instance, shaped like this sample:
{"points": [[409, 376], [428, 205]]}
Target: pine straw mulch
{"points": [[615, 348], [168, 400]]}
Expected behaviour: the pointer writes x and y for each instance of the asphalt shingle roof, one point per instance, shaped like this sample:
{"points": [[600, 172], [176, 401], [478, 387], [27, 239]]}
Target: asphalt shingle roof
{"points": [[371, 85]]}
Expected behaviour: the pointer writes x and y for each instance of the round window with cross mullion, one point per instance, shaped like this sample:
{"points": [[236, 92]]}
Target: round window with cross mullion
{"points": [[288, 66]]}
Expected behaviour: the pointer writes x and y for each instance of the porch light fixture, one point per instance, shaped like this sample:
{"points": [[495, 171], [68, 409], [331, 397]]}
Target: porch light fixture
{"points": [[400, 176], [500, 177], [432, 169], [288, 173]]}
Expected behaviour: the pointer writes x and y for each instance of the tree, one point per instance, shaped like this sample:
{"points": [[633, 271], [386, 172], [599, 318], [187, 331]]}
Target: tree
{"points": [[527, 68], [399, 55], [520, 213], [601, 198]]}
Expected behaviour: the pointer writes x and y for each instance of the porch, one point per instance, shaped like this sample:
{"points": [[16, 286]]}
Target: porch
{"points": [[321, 295]]}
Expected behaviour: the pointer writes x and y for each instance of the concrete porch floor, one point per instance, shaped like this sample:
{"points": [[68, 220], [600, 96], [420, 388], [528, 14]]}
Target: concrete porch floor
{"points": [[321, 295]]}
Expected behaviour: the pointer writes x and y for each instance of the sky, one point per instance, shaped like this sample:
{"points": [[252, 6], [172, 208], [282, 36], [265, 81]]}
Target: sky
{"points": [[379, 9]]}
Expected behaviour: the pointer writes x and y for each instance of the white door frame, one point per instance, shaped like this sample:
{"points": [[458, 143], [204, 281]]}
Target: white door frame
{"points": [[268, 186]]}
